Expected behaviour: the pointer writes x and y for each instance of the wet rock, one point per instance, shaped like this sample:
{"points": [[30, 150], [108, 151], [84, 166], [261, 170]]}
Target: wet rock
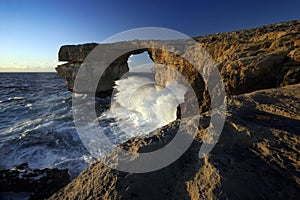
{"points": [[24, 182]]}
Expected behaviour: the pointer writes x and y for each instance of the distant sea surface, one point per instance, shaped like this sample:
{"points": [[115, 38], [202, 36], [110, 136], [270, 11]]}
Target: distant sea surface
{"points": [[36, 123]]}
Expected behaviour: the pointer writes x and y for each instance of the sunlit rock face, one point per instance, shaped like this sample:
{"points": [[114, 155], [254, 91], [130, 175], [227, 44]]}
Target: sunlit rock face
{"points": [[248, 60]]}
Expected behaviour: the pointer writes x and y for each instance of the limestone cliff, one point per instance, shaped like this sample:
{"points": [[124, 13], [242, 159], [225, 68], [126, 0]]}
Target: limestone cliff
{"points": [[257, 155], [75, 55], [248, 60]]}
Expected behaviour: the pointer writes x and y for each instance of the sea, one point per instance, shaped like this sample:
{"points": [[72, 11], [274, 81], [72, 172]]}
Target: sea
{"points": [[37, 123]]}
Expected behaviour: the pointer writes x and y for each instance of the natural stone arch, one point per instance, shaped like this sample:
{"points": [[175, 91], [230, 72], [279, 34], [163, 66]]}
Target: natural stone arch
{"points": [[75, 55]]}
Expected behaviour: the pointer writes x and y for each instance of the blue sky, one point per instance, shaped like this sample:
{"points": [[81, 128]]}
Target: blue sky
{"points": [[31, 32]]}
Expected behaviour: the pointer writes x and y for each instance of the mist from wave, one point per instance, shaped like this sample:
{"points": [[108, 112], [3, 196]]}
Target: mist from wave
{"points": [[138, 107]]}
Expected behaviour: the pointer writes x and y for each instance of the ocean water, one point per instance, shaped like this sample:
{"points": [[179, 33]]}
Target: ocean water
{"points": [[37, 125]]}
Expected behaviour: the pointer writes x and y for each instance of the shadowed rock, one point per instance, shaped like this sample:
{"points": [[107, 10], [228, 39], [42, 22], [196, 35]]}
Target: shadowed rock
{"points": [[24, 182]]}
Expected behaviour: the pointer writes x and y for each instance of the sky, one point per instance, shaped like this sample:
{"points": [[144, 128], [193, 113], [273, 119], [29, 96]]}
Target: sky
{"points": [[31, 32]]}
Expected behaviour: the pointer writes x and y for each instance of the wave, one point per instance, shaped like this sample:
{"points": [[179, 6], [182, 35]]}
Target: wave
{"points": [[37, 126], [138, 107]]}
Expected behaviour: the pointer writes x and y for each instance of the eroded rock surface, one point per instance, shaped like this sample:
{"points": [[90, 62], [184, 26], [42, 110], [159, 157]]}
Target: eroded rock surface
{"points": [[248, 60], [110, 60], [256, 157]]}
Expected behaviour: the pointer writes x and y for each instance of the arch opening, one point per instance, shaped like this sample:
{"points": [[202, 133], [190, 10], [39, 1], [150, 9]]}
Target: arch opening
{"points": [[143, 60]]}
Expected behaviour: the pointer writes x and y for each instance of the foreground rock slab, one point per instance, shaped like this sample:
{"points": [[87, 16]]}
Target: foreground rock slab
{"points": [[256, 157]]}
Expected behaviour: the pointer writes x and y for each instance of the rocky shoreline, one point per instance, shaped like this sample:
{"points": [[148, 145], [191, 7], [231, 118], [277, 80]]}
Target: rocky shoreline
{"points": [[22, 182], [257, 155]]}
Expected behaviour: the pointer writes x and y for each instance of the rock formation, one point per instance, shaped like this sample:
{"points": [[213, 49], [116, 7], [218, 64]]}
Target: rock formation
{"points": [[248, 60], [22, 182], [257, 155], [76, 57]]}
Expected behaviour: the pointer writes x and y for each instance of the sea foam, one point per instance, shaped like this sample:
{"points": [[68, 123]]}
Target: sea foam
{"points": [[139, 106]]}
